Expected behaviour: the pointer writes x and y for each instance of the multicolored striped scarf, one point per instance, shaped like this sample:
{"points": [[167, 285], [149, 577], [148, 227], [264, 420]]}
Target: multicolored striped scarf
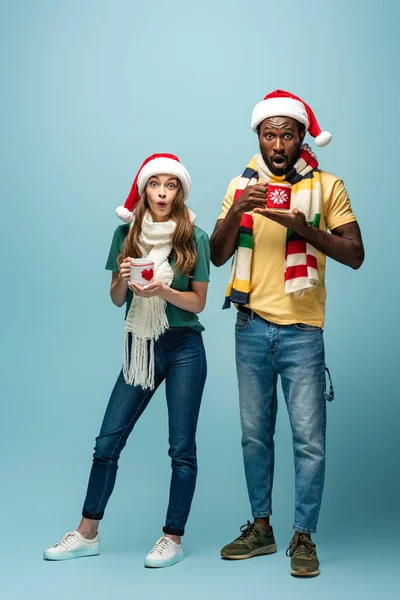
{"points": [[301, 268]]}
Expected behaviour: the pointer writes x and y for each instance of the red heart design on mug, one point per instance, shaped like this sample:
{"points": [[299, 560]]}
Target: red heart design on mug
{"points": [[148, 274]]}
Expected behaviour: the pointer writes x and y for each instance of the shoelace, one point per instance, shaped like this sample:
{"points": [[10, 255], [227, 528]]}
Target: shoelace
{"points": [[301, 543], [248, 530], [161, 545], [67, 539]]}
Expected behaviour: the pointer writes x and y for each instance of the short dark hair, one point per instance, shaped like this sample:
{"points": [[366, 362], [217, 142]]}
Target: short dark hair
{"points": [[300, 126]]}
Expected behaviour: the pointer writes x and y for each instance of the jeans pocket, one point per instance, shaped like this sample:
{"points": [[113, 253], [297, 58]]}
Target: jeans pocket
{"points": [[242, 321], [305, 327]]}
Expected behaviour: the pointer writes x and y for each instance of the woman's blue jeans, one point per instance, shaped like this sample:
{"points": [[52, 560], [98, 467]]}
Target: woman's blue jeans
{"points": [[179, 360]]}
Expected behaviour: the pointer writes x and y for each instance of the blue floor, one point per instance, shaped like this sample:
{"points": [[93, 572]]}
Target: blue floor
{"points": [[358, 566]]}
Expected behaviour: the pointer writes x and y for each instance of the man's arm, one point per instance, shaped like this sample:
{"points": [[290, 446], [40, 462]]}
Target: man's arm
{"points": [[223, 239], [343, 244]]}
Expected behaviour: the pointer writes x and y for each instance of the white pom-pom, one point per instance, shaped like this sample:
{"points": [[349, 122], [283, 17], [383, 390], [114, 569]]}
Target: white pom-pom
{"points": [[124, 214], [323, 138]]}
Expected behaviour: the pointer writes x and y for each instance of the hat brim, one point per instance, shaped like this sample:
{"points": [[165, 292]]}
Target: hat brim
{"points": [[168, 166], [278, 107]]}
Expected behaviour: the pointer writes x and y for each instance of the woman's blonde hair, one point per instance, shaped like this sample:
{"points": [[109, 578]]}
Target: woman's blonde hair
{"points": [[183, 245]]}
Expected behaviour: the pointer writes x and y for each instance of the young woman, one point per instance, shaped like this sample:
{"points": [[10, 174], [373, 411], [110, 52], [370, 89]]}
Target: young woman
{"points": [[163, 341]]}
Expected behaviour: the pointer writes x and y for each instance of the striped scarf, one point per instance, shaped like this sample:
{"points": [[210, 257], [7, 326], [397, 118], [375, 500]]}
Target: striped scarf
{"points": [[301, 269]]}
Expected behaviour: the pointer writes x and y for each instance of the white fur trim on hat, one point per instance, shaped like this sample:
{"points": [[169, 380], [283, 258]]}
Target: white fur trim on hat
{"points": [[168, 166], [278, 107]]}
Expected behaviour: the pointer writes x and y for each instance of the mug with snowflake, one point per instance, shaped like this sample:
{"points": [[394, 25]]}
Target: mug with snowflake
{"points": [[278, 196]]}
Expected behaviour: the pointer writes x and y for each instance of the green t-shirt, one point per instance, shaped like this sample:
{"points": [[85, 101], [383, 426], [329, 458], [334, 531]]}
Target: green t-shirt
{"points": [[177, 317]]}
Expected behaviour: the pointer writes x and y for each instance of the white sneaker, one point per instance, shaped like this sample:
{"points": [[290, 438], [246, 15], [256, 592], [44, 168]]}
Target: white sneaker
{"points": [[164, 554], [73, 545]]}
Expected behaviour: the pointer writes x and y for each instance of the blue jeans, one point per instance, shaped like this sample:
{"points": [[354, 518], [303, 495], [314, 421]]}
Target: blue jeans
{"points": [[265, 350], [180, 360]]}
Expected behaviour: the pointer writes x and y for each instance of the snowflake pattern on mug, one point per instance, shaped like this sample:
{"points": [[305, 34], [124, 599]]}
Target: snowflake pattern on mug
{"points": [[279, 197]]}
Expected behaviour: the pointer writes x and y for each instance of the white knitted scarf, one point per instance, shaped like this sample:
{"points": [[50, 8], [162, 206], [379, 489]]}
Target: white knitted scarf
{"points": [[147, 320]]}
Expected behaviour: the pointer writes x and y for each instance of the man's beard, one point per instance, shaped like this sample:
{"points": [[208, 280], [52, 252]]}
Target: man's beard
{"points": [[287, 166]]}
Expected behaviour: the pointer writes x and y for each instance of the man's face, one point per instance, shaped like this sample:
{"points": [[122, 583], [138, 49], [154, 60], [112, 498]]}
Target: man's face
{"points": [[280, 141]]}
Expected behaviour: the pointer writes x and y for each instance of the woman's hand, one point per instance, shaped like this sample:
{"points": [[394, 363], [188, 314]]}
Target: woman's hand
{"points": [[192, 301], [155, 288], [125, 269]]}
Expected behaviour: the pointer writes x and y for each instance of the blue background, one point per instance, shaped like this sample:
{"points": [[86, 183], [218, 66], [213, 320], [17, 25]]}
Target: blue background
{"points": [[88, 90]]}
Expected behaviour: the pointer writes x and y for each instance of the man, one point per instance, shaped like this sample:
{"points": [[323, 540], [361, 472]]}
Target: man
{"points": [[277, 284]]}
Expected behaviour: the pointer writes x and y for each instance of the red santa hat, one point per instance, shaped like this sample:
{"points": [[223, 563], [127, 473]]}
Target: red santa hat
{"points": [[284, 104], [153, 165]]}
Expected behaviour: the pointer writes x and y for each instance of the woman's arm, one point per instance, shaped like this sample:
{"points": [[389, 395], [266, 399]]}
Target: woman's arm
{"points": [[193, 301], [119, 283]]}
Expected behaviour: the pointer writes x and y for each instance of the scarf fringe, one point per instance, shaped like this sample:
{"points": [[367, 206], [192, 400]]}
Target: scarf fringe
{"points": [[139, 360], [139, 370]]}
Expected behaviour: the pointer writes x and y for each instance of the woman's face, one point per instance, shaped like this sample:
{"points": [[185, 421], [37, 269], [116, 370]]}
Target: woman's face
{"points": [[161, 192]]}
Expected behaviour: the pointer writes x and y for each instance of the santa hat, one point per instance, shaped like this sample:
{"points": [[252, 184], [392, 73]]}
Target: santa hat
{"points": [[153, 165], [285, 104]]}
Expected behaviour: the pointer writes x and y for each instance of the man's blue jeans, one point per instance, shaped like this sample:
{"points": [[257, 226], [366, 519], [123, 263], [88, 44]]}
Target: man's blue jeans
{"points": [[180, 360], [265, 350]]}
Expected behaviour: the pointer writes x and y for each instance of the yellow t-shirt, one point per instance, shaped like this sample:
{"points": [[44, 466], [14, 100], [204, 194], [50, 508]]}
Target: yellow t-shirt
{"points": [[267, 292]]}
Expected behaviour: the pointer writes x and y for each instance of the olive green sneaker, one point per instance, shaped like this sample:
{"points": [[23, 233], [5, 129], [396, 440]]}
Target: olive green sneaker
{"points": [[304, 560], [253, 541]]}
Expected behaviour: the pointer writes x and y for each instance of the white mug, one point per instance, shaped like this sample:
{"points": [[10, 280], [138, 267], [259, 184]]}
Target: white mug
{"points": [[142, 270]]}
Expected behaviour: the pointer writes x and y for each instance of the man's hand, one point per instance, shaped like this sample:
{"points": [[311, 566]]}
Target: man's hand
{"points": [[147, 291], [295, 220], [254, 196], [343, 244]]}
